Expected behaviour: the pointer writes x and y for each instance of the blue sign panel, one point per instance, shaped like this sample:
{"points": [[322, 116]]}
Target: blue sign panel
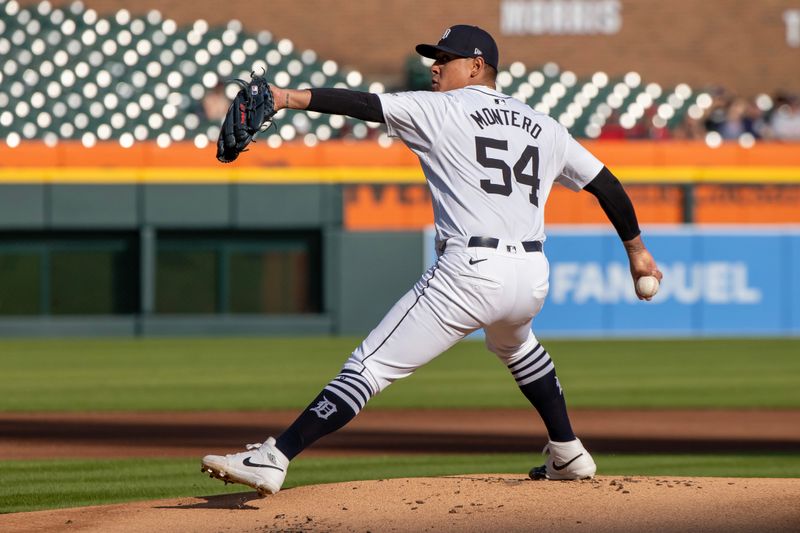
{"points": [[717, 281]]}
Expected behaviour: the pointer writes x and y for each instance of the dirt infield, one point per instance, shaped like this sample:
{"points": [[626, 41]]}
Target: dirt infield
{"points": [[56, 435], [459, 503]]}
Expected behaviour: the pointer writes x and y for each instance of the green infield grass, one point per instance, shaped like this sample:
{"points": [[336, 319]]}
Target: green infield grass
{"points": [[36, 485], [271, 373]]}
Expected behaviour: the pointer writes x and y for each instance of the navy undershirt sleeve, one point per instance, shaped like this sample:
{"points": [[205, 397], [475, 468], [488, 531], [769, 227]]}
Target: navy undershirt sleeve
{"points": [[616, 203], [356, 104]]}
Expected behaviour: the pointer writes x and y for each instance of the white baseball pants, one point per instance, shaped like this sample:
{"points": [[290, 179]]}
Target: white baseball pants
{"points": [[499, 290]]}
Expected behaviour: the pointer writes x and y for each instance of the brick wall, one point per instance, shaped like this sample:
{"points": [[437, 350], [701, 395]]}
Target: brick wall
{"points": [[736, 43]]}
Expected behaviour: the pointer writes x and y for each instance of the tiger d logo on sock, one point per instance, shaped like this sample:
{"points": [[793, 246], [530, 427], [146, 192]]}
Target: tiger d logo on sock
{"points": [[324, 408]]}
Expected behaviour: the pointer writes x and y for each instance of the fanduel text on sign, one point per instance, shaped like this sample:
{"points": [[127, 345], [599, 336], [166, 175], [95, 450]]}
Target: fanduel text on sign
{"points": [[717, 282]]}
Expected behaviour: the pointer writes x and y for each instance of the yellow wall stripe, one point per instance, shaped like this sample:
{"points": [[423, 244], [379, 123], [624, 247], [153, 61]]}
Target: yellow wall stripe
{"points": [[295, 175], [123, 175], [716, 174]]}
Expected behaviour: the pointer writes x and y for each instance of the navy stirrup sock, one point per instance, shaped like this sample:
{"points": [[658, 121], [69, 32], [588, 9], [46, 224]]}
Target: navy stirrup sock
{"points": [[338, 403], [535, 374]]}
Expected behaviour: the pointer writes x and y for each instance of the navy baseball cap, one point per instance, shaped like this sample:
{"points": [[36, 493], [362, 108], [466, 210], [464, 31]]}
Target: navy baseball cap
{"points": [[464, 41]]}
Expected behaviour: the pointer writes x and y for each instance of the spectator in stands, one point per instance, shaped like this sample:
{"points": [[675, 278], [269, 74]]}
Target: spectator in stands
{"points": [[215, 103], [717, 113], [785, 120], [690, 129], [741, 117]]}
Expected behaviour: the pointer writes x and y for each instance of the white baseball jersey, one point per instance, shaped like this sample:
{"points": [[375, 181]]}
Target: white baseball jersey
{"points": [[489, 159], [490, 162]]}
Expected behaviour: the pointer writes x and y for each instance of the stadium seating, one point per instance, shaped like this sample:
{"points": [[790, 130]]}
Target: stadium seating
{"points": [[71, 74], [584, 106]]}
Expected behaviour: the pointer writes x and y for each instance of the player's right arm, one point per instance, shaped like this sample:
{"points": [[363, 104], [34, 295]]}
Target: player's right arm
{"points": [[584, 171], [619, 209]]}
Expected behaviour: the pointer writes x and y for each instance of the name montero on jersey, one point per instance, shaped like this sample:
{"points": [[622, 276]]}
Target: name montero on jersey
{"points": [[505, 117]]}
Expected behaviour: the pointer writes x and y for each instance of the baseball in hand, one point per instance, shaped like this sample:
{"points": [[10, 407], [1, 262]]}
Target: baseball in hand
{"points": [[647, 286]]}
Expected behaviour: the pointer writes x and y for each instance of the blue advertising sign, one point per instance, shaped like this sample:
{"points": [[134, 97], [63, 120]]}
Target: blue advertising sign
{"points": [[717, 282]]}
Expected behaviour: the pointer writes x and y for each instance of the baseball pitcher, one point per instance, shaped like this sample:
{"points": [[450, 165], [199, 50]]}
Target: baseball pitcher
{"points": [[490, 162]]}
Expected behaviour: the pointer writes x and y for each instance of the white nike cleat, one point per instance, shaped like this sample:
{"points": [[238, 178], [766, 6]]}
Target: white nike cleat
{"points": [[262, 467], [565, 460]]}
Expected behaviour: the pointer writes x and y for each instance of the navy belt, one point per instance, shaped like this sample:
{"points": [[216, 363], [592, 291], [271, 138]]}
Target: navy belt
{"points": [[491, 242]]}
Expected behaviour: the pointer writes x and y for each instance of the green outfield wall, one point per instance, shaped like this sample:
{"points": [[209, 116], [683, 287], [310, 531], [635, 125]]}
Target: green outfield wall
{"points": [[220, 259]]}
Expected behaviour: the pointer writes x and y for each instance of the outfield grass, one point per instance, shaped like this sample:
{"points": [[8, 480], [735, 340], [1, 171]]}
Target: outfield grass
{"points": [[34, 485], [270, 373]]}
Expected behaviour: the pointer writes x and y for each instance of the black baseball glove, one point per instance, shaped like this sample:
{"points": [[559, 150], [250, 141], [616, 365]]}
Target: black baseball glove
{"points": [[251, 109]]}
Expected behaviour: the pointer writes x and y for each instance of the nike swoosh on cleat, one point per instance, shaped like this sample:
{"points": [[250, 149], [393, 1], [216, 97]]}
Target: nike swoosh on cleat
{"points": [[248, 462], [473, 261], [562, 467]]}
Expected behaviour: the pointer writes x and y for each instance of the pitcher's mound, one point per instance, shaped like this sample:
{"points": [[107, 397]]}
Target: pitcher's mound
{"points": [[482, 502]]}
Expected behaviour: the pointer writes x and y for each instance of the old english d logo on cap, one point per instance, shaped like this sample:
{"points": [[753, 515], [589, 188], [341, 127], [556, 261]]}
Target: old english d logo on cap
{"points": [[464, 41]]}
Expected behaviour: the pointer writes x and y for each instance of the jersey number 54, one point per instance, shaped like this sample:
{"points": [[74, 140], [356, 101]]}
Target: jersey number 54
{"points": [[529, 156]]}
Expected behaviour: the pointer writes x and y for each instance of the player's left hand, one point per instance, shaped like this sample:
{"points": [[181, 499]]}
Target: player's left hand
{"points": [[641, 263], [251, 109]]}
